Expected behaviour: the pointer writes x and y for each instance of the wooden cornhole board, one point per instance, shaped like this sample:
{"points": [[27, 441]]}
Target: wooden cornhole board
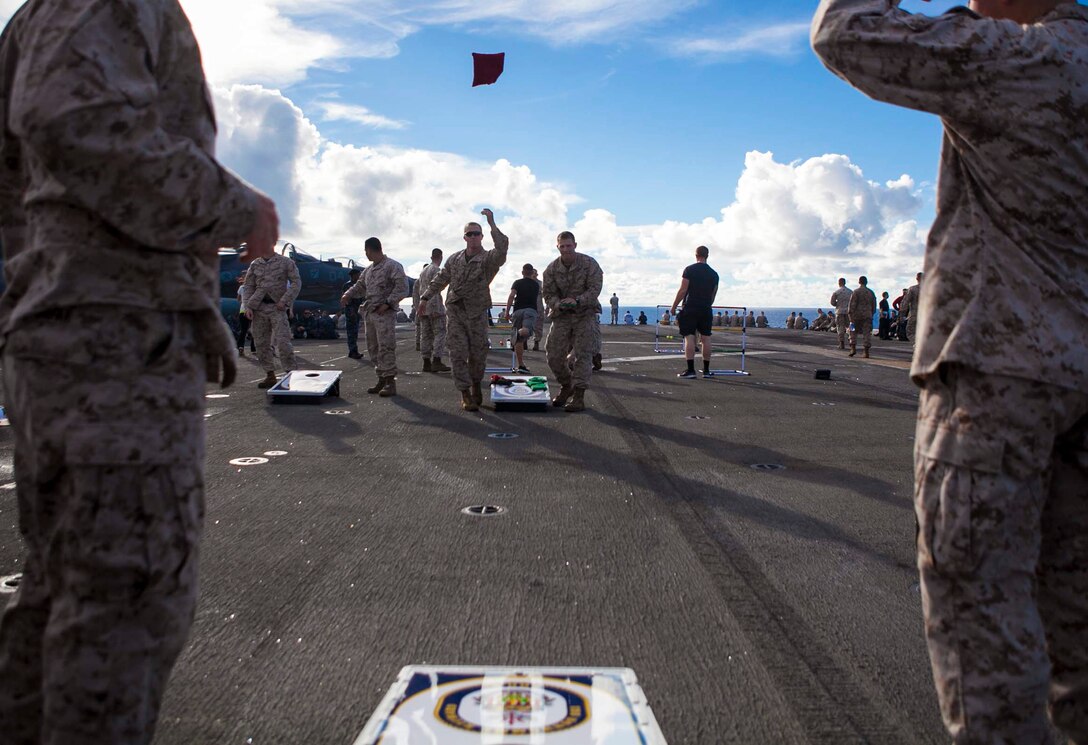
{"points": [[513, 706], [306, 387], [519, 397]]}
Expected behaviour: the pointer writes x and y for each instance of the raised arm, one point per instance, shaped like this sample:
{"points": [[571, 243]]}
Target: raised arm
{"points": [[951, 65], [496, 258]]}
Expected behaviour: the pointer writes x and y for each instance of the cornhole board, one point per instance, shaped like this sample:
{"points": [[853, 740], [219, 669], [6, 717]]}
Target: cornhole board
{"points": [[519, 397], [513, 706], [306, 387]]}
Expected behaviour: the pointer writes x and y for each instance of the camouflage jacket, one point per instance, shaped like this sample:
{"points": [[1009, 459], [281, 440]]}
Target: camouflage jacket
{"points": [[109, 189], [910, 301], [582, 281], [275, 278], [383, 283], [469, 278], [840, 300], [862, 304], [435, 306], [1011, 234]]}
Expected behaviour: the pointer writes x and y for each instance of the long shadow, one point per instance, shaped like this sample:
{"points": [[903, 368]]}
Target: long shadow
{"points": [[635, 471], [472, 426], [743, 454], [310, 420]]}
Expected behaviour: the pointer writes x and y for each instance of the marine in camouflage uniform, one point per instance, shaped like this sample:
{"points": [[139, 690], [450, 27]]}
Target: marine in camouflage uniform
{"points": [[840, 301], [272, 284], [571, 292], [1001, 491], [111, 208], [910, 307], [468, 274], [432, 324], [860, 309], [384, 285]]}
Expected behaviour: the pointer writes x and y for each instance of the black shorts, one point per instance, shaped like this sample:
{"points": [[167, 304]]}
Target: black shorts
{"points": [[692, 320]]}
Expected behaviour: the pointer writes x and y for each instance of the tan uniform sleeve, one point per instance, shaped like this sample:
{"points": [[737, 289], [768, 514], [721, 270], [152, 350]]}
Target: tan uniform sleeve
{"points": [[399, 290], [594, 284], [85, 109], [249, 288], [439, 283], [551, 289], [951, 65], [295, 286], [497, 257], [358, 290]]}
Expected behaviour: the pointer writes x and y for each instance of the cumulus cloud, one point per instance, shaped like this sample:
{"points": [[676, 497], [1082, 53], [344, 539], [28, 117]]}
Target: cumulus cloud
{"points": [[335, 111], [277, 42], [776, 40], [782, 238]]}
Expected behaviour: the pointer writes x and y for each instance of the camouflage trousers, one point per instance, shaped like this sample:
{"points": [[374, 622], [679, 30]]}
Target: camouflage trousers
{"points": [[106, 407], [433, 336], [381, 341], [863, 332], [272, 329], [842, 325], [466, 337], [573, 334], [912, 326], [1001, 496]]}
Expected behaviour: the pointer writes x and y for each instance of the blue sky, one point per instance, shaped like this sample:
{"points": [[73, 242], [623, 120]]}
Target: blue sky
{"points": [[648, 127], [626, 120]]}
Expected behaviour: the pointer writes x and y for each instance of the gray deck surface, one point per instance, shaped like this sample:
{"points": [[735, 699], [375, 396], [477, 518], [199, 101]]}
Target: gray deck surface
{"points": [[754, 606]]}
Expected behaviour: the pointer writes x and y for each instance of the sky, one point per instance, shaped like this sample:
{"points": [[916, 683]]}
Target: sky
{"points": [[648, 127]]}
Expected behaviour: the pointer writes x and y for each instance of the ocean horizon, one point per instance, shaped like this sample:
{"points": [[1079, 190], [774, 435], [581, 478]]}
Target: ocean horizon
{"points": [[776, 317]]}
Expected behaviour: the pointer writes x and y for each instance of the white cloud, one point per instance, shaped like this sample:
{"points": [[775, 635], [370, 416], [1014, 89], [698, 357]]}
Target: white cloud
{"points": [[790, 230], [777, 40], [254, 41], [334, 111]]}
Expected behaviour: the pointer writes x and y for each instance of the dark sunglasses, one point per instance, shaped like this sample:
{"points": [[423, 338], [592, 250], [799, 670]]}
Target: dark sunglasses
{"points": [[473, 233]]}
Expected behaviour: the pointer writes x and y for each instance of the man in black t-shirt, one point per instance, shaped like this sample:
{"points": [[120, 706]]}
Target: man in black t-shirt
{"points": [[525, 297], [697, 291]]}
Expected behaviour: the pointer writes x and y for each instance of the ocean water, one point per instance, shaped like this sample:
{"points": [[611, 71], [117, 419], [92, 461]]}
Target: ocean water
{"points": [[776, 317]]}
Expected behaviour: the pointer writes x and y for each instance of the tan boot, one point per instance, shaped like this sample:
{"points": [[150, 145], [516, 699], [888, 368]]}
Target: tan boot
{"points": [[467, 402], [377, 387], [269, 380], [390, 388], [577, 402], [438, 367], [477, 394], [427, 365], [853, 351], [564, 395], [866, 354]]}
